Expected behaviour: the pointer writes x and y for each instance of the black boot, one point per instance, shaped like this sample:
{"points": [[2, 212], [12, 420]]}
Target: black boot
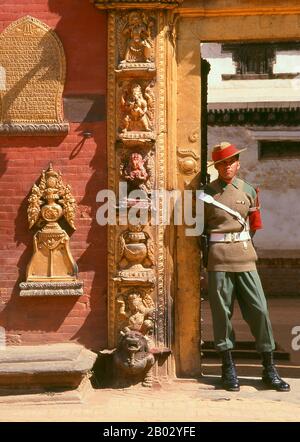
{"points": [[230, 381], [270, 376]]}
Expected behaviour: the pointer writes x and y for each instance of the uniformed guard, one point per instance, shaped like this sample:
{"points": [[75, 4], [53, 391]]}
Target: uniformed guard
{"points": [[232, 215]]}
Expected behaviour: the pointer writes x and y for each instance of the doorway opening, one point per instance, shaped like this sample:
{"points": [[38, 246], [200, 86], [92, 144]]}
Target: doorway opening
{"points": [[253, 102]]}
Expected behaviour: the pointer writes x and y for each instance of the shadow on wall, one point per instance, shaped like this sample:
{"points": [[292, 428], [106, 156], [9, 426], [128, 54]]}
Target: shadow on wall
{"points": [[94, 258], [28, 314], [47, 315], [3, 163]]}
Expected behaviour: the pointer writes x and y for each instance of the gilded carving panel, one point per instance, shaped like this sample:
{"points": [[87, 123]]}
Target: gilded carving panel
{"points": [[52, 270], [33, 61]]}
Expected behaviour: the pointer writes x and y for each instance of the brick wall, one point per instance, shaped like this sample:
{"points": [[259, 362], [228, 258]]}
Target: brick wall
{"points": [[82, 30], [280, 277]]}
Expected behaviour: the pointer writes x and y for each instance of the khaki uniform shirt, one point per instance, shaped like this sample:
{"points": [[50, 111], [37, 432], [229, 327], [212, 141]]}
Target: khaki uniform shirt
{"points": [[234, 256]]}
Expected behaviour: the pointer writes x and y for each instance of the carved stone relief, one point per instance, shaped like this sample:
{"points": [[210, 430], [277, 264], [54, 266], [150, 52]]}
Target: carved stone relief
{"points": [[188, 161], [52, 267], [136, 311], [138, 296], [33, 61], [136, 32], [136, 248], [133, 360], [136, 257], [137, 103], [194, 136], [137, 169]]}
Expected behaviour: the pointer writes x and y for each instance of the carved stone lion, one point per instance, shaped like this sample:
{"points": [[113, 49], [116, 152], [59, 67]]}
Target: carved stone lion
{"points": [[132, 359]]}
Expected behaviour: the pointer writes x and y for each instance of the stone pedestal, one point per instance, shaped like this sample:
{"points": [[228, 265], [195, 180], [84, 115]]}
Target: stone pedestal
{"points": [[53, 367]]}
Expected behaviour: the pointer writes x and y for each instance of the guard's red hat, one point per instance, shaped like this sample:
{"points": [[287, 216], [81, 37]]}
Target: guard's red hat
{"points": [[223, 151]]}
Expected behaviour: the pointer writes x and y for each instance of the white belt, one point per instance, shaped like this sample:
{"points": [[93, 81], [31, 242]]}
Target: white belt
{"points": [[229, 237]]}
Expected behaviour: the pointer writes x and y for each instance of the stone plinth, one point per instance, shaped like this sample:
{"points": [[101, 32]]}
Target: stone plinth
{"points": [[47, 367]]}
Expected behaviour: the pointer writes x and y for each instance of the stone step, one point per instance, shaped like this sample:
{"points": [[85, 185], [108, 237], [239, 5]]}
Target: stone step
{"points": [[243, 350], [50, 367]]}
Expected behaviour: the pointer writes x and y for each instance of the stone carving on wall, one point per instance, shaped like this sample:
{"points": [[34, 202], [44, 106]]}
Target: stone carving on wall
{"points": [[138, 90], [136, 257], [138, 171], [188, 161], [33, 62], [52, 267], [133, 360], [136, 311], [135, 248], [194, 136], [137, 102], [135, 36]]}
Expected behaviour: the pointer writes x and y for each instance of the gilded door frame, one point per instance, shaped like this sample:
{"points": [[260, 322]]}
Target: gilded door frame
{"points": [[202, 21], [182, 26]]}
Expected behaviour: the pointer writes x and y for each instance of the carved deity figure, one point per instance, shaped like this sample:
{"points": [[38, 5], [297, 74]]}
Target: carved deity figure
{"points": [[137, 312], [138, 42], [137, 109], [138, 171], [135, 173]]}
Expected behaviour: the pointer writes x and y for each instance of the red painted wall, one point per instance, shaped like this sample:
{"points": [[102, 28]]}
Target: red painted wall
{"points": [[82, 30]]}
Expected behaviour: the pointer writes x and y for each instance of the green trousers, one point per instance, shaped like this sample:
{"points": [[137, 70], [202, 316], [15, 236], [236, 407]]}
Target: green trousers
{"points": [[223, 288]]}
